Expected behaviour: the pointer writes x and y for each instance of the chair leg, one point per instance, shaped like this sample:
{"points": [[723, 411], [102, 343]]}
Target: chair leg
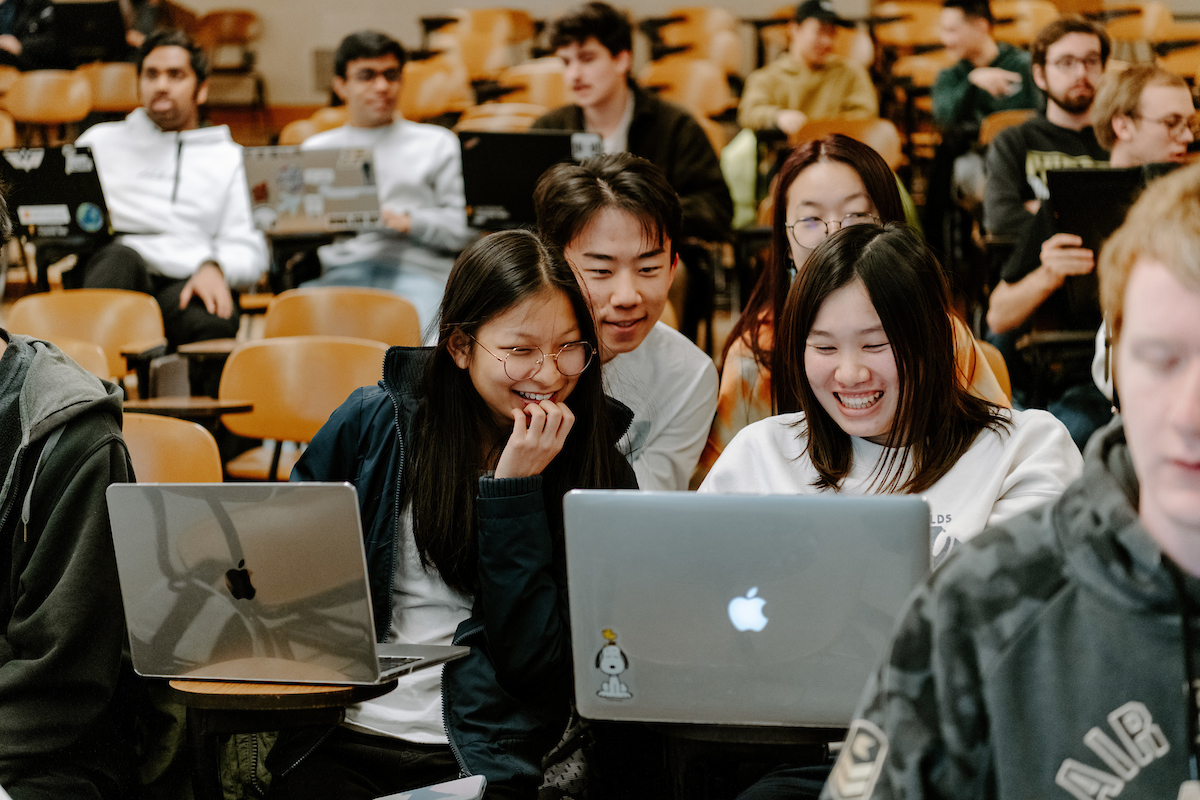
{"points": [[273, 475]]}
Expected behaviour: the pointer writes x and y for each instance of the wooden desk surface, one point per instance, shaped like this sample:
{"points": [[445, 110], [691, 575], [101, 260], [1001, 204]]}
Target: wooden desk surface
{"points": [[236, 695], [194, 408]]}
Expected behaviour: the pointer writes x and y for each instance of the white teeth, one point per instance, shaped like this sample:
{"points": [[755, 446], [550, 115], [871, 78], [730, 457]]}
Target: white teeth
{"points": [[537, 398], [864, 401]]}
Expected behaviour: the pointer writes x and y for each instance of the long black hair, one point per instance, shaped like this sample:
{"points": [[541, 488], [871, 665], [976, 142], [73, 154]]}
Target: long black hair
{"points": [[457, 436], [937, 419]]}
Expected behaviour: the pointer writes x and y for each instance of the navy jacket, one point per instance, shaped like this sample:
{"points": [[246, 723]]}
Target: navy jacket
{"points": [[506, 704]]}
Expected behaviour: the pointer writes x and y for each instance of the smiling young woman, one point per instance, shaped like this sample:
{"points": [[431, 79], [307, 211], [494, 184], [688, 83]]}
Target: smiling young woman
{"points": [[865, 345]]}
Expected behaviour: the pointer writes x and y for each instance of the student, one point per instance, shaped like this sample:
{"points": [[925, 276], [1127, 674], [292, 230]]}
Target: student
{"points": [[1053, 655], [461, 457], [823, 186], [618, 221], [595, 43], [419, 171], [866, 346], [177, 195], [808, 81]]}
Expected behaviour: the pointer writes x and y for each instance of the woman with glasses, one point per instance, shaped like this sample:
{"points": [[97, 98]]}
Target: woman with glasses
{"points": [[461, 457], [824, 186]]}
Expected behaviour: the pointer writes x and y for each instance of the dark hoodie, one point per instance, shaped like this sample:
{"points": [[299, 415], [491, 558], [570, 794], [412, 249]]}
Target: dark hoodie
{"points": [[63, 651], [1044, 660]]}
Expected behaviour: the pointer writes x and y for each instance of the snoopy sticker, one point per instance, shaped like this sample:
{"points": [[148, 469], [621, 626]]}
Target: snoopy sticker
{"points": [[612, 662]]}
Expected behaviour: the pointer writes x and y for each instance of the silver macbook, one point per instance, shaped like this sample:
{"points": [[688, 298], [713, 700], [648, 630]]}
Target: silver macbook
{"points": [[251, 582], [295, 191], [735, 609]]}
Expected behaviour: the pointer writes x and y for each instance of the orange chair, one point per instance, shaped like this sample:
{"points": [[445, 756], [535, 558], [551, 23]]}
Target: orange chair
{"points": [[433, 87], [8, 134], [295, 384], [169, 450], [296, 131], [994, 123], [917, 27], [879, 134], [48, 98], [343, 311], [484, 55], [8, 76], [119, 321], [1025, 19], [539, 81], [330, 117], [499, 117], [695, 83], [708, 33], [114, 86]]}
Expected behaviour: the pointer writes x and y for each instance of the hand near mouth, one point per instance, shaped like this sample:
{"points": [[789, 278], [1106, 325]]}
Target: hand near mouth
{"points": [[539, 431]]}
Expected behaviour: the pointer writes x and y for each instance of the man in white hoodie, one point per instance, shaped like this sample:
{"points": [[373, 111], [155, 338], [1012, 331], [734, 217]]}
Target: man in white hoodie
{"points": [[177, 197]]}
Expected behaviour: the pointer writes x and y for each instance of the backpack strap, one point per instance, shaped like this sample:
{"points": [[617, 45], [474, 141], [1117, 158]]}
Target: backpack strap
{"points": [[27, 506]]}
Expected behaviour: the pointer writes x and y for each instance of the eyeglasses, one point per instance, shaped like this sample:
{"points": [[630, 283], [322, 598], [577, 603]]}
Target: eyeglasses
{"points": [[811, 231], [367, 75], [522, 363], [1068, 63], [1174, 123]]}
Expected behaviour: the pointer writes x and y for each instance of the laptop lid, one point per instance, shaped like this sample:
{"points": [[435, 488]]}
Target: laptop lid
{"points": [[312, 191], [54, 193], [501, 169], [735, 609], [248, 581]]}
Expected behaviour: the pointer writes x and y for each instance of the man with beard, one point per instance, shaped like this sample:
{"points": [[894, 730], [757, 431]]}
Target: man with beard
{"points": [[1068, 56]]}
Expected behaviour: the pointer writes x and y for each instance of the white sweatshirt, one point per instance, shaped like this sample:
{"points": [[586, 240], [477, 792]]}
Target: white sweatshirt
{"points": [[419, 171], [1002, 475], [671, 387], [180, 198]]}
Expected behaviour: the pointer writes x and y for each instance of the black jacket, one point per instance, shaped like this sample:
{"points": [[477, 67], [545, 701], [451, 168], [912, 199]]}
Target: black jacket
{"points": [[505, 706], [668, 136]]}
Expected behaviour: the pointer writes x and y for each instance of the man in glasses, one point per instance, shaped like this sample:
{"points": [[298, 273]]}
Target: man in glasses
{"points": [[618, 221], [1142, 116], [419, 171], [1068, 56]]}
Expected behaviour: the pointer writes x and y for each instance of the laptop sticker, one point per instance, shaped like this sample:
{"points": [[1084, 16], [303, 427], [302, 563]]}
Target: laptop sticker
{"points": [[76, 162], [612, 662], [27, 159], [90, 217]]}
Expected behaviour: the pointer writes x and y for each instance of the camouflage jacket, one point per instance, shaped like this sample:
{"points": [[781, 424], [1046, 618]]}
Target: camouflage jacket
{"points": [[1044, 660]]}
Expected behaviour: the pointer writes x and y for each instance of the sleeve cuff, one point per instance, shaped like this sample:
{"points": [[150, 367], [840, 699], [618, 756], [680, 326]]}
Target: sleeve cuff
{"points": [[509, 487]]}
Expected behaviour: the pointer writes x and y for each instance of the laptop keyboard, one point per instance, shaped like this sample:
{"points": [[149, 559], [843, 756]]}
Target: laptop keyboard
{"points": [[387, 663]]}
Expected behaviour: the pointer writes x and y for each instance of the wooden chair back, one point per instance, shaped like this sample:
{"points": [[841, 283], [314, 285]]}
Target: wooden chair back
{"points": [[996, 361], [343, 311], [512, 123], [296, 382], [1150, 24], [169, 450], [330, 117], [433, 87], [88, 355], [8, 131], [878, 134], [539, 81], [710, 33], [296, 131], [49, 97], [8, 76], [115, 319], [227, 26], [114, 86], [922, 69], [994, 123], [917, 26], [695, 83], [1027, 17], [484, 55], [504, 109]]}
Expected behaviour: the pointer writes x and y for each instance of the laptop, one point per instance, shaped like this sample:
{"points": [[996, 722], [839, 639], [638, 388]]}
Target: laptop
{"points": [[762, 610], [501, 169], [54, 194], [312, 191], [251, 582]]}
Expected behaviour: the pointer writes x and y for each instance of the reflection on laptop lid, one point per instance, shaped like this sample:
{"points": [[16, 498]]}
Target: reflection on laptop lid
{"points": [[251, 581], [501, 169], [735, 609], [312, 191], [54, 193]]}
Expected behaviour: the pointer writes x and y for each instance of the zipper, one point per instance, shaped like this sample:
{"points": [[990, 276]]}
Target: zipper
{"points": [[399, 511], [262, 790], [463, 772], [10, 501], [178, 164], [304, 756]]}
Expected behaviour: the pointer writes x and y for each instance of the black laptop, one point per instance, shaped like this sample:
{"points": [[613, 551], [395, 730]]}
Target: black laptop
{"points": [[500, 170], [54, 194]]}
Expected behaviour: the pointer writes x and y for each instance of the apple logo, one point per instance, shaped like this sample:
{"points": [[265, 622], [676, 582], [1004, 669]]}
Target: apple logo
{"points": [[238, 582], [746, 612]]}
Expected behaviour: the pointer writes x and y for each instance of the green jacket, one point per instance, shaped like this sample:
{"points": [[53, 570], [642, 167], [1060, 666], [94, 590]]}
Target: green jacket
{"points": [[1043, 660], [959, 103], [64, 655]]}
